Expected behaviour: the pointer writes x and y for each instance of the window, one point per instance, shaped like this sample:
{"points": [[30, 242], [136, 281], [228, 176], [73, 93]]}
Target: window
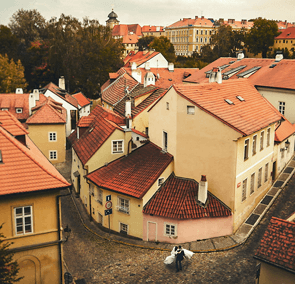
{"points": [[19, 110], [244, 190], [254, 145], [259, 177], [52, 136], [123, 205], [147, 131], [165, 141], [282, 153], [261, 140], [268, 137], [123, 228], [160, 181], [52, 155], [282, 107], [167, 106], [98, 195], [99, 218], [91, 189], [170, 229], [252, 185], [266, 173], [191, 110], [23, 217], [246, 150], [117, 146]]}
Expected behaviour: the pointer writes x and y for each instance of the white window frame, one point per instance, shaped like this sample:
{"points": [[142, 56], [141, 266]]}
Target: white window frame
{"points": [[259, 179], [268, 137], [282, 107], [4, 109], [190, 110], [125, 208], [123, 227], [165, 141], [50, 155], [115, 146], [161, 181], [252, 183], [18, 110], [23, 217], [254, 145], [171, 232], [98, 197], [261, 146], [246, 149], [244, 189], [266, 169], [52, 136]]}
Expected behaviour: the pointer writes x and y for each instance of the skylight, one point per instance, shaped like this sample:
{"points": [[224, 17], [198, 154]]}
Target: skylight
{"points": [[248, 72], [221, 68], [229, 102], [228, 74], [240, 98]]}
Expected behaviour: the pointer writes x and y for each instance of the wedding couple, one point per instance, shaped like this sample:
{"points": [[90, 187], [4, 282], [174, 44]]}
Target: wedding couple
{"points": [[178, 254]]}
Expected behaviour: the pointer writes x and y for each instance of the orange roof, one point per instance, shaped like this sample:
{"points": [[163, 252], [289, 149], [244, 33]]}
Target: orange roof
{"points": [[246, 116], [176, 198], [104, 123], [139, 57], [24, 169], [10, 123], [123, 30], [131, 38], [49, 112], [85, 121], [185, 22], [288, 33], [284, 25], [82, 100], [134, 174], [146, 29], [285, 130], [239, 24]]}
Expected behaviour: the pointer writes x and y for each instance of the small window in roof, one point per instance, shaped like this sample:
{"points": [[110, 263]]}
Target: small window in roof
{"points": [[1, 161], [249, 72], [229, 102], [272, 65], [240, 98], [228, 74]]}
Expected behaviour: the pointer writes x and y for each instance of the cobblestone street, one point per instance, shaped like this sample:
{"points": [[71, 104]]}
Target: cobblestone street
{"points": [[96, 260]]}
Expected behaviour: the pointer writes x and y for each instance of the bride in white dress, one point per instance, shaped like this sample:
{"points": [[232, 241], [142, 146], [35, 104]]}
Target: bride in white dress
{"points": [[170, 259]]}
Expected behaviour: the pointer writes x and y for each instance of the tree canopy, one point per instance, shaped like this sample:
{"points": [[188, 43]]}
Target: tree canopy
{"points": [[162, 44], [144, 42], [261, 36]]}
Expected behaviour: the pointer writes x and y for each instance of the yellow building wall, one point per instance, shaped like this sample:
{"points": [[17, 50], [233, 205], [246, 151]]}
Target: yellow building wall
{"points": [[39, 133], [270, 274], [138, 100], [39, 264], [284, 43]]}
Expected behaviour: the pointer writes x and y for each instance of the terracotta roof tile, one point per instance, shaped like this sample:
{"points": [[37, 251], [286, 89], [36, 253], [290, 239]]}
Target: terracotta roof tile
{"points": [[123, 30], [10, 123], [288, 33], [146, 29], [277, 246], [24, 169], [82, 100], [194, 22], [130, 38], [103, 125], [135, 174], [246, 117], [285, 130], [239, 24], [176, 199], [139, 57]]}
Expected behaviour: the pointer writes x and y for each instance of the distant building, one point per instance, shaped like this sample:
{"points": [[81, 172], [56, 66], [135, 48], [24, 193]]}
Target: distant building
{"points": [[112, 19], [286, 39], [155, 31]]}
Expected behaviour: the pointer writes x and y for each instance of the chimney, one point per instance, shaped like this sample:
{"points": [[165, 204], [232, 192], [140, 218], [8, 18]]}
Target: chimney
{"points": [[36, 94], [136, 74], [19, 91], [241, 55], [149, 79], [133, 66], [279, 56], [171, 67], [128, 113], [62, 83], [32, 102], [196, 17], [202, 17], [147, 66], [215, 75], [203, 190], [145, 52]]}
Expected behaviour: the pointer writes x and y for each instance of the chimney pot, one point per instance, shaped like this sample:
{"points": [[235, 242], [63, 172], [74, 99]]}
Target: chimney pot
{"points": [[203, 190]]}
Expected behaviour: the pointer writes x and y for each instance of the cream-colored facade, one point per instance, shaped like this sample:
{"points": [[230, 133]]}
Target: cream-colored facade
{"points": [[50, 139], [203, 145], [38, 248]]}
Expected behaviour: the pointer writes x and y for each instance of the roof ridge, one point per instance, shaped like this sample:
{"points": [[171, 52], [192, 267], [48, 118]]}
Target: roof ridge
{"points": [[25, 150]]}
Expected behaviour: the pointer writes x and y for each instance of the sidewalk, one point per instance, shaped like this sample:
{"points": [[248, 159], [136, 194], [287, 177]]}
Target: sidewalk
{"points": [[200, 246]]}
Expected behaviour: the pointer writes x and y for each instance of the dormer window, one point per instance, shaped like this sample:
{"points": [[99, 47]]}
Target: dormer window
{"points": [[19, 110], [3, 109]]}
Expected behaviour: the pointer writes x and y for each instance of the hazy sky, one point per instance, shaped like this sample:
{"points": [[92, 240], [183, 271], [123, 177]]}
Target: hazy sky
{"points": [[153, 12]]}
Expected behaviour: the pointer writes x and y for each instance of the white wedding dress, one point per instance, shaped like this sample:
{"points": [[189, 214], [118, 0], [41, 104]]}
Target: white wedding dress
{"points": [[170, 259]]}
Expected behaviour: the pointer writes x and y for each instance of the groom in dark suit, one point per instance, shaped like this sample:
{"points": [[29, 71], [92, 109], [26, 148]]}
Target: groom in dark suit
{"points": [[179, 258]]}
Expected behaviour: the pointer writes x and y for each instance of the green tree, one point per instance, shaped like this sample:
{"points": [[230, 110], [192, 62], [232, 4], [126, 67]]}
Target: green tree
{"points": [[8, 42], [143, 42], [261, 36], [11, 75], [8, 268], [163, 45]]}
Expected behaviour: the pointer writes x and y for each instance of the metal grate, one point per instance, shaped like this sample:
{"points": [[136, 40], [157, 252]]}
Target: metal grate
{"points": [[288, 170], [266, 199], [252, 219]]}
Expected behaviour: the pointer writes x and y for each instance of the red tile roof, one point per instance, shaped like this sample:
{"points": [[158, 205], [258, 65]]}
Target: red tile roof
{"points": [[61, 93], [24, 169], [288, 33], [116, 90], [284, 25], [176, 199], [11, 124], [285, 130], [277, 246], [139, 133], [246, 117], [103, 125], [49, 112], [135, 174], [82, 100], [130, 39], [123, 30], [146, 29], [239, 24], [139, 57], [85, 121], [185, 22]]}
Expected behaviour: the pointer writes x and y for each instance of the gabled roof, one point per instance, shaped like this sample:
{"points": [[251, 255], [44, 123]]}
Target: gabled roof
{"points": [[135, 174], [238, 24], [246, 117], [11, 124], [176, 199], [24, 169], [285, 130], [284, 25], [49, 112], [104, 123], [131, 38], [146, 29], [277, 247], [288, 33], [185, 22], [139, 57], [61, 93], [123, 30], [115, 91], [82, 100]]}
